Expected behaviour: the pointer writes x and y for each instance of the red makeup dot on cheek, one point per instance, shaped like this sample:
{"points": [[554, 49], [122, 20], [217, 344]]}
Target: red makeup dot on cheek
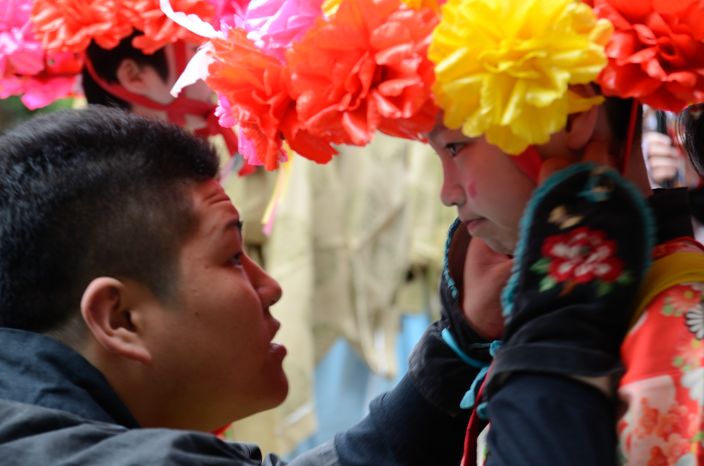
{"points": [[472, 189]]}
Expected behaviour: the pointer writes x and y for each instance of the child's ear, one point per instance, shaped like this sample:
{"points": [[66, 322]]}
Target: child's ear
{"points": [[112, 315], [581, 127], [131, 77]]}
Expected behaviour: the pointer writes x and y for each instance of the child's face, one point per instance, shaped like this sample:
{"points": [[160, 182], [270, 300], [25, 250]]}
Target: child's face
{"points": [[487, 188]]}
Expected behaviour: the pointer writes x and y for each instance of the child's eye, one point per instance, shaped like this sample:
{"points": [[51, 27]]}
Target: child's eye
{"points": [[454, 148]]}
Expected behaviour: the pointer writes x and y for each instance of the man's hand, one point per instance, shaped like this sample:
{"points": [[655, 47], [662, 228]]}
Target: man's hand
{"points": [[485, 274]]}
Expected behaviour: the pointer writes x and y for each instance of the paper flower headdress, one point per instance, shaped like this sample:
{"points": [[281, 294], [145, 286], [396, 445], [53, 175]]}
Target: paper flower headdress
{"points": [[26, 69], [504, 68], [656, 54], [70, 25], [42, 41], [285, 71]]}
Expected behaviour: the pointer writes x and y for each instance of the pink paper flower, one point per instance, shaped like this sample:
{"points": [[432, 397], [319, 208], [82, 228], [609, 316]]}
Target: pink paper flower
{"points": [[20, 51], [25, 68], [274, 24]]}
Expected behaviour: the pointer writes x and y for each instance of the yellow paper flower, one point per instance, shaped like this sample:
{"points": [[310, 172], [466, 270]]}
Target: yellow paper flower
{"points": [[418, 4], [503, 67]]}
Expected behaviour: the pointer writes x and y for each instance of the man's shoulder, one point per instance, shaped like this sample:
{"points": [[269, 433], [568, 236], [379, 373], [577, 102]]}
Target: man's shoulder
{"points": [[36, 435]]}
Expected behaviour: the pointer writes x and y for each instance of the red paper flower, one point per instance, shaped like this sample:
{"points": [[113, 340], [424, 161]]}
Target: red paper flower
{"points": [[582, 255], [70, 25], [656, 53], [365, 69], [257, 87], [158, 29]]}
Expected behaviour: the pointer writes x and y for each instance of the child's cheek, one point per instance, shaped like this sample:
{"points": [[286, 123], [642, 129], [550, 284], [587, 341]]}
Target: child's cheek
{"points": [[472, 189]]}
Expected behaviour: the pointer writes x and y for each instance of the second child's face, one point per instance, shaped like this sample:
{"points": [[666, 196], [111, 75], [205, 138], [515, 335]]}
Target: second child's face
{"points": [[487, 188]]}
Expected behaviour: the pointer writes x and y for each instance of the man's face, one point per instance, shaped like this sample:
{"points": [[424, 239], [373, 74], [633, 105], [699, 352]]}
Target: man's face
{"points": [[487, 188], [214, 347]]}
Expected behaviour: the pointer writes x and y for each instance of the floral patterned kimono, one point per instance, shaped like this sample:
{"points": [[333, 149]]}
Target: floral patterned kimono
{"points": [[662, 389]]}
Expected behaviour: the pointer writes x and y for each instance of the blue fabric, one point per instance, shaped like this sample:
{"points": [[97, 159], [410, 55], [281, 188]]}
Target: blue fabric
{"points": [[344, 384]]}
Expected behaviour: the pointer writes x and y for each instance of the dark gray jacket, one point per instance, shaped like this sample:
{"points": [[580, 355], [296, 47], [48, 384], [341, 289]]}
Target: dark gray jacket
{"points": [[57, 409]]}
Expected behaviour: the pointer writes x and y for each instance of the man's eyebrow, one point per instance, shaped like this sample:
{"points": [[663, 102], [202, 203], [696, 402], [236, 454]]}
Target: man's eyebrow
{"points": [[235, 223]]}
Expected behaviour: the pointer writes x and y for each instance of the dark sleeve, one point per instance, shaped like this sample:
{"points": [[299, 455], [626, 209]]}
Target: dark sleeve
{"points": [[550, 420], [403, 428]]}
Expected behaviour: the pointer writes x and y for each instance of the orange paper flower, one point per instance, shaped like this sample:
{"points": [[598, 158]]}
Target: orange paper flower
{"points": [[256, 86], [158, 29], [656, 53], [364, 70], [70, 25]]}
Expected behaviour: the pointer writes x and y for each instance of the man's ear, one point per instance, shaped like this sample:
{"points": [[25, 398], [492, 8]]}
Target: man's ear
{"points": [[131, 76], [111, 314], [581, 127]]}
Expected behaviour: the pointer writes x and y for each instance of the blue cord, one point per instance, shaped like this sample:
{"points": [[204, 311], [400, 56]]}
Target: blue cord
{"points": [[471, 394]]}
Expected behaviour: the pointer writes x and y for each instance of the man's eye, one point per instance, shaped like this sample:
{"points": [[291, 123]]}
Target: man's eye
{"points": [[236, 260], [454, 148]]}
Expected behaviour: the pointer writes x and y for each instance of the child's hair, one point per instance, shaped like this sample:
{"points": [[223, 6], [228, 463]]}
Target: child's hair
{"points": [[90, 193], [106, 62]]}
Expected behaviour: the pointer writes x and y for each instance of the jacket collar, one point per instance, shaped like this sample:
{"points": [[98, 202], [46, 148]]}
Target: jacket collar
{"points": [[38, 370]]}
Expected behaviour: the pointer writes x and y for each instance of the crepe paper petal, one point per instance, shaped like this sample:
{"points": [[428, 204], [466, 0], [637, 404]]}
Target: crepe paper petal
{"points": [[224, 113], [192, 22], [159, 30], [25, 68], [70, 25], [20, 51], [229, 13], [365, 69], [39, 92], [274, 24], [256, 85], [330, 7], [656, 54], [503, 69], [418, 4], [196, 69]]}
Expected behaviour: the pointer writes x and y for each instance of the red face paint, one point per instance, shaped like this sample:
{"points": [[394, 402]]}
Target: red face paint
{"points": [[472, 189]]}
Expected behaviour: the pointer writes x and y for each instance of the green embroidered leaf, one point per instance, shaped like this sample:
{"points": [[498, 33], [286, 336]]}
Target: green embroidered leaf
{"points": [[668, 309], [678, 361], [603, 288], [625, 278], [547, 283], [542, 266]]}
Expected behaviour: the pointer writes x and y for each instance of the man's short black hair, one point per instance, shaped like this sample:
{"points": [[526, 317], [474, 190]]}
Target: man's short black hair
{"points": [[90, 193], [106, 62]]}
